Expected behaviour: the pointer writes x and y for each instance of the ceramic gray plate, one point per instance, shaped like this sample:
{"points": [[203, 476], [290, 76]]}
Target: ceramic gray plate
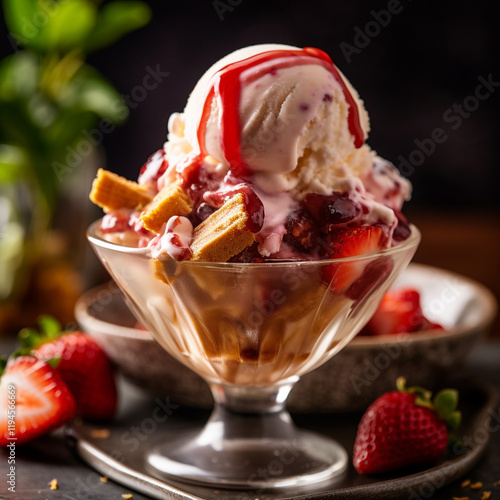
{"points": [[350, 381], [120, 456]]}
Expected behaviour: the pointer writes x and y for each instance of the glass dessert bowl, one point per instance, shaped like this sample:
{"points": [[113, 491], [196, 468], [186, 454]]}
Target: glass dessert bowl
{"points": [[251, 330]]}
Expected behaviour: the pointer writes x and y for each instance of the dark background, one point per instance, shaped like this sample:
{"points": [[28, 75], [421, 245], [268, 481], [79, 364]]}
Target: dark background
{"points": [[427, 59]]}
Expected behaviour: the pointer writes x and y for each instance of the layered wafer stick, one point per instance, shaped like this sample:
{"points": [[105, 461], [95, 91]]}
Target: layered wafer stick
{"points": [[171, 200], [224, 233], [112, 192]]}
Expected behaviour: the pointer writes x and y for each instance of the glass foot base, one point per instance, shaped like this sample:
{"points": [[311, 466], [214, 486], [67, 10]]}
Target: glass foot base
{"points": [[302, 459]]}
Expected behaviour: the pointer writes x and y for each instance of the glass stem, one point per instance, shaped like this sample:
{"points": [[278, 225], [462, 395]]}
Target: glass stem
{"points": [[251, 412], [250, 441]]}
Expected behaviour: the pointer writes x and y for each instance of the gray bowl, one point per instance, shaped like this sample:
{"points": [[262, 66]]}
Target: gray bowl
{"points": [[350, 381]]}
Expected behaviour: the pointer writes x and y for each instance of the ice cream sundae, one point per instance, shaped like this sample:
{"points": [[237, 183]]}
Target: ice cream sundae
{"points": [[267, 162], [255, 244]]}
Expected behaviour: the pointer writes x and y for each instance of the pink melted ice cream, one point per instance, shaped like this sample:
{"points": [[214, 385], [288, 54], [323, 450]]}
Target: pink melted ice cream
{"points": [[283, 126]]}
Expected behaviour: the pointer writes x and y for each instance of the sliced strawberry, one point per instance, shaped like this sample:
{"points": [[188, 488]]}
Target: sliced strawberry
{"points": [[374, 274], [350, 243], [83, 366], [42, 400], [399, 312], [430, 325]]}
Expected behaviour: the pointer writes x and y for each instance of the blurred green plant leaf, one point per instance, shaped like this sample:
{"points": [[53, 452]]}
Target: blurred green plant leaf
{"points": [[69, 25], [63, 135], [116, 19], [13, 161], [17, 127], [24, 21], [18, 75], [50, 99], [90, 91], [41, 110]]}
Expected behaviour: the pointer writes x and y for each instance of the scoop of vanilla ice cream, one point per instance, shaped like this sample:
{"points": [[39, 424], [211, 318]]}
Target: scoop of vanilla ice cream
{"points": [[294, 124]]}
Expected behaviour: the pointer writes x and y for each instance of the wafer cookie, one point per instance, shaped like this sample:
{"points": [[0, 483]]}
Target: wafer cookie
{"points": [[112, 192], [224, 233]]}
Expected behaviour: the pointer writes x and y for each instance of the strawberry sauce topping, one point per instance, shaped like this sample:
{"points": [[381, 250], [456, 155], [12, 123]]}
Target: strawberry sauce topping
{"points": [[178, 236], [125, 221], [337, 208], [174, 241], [154, 168]]}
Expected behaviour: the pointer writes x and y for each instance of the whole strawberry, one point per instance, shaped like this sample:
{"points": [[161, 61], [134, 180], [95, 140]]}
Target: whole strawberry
{"points": [[82, 364], [33, 400], [404, 428]]}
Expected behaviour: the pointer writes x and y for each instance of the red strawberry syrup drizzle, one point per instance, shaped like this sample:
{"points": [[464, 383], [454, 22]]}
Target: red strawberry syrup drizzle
{"points": [[202, 187], [158, 163]]}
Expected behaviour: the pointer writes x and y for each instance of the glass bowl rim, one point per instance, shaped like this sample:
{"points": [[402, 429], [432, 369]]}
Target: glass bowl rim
{"points": [[411, 242]]}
